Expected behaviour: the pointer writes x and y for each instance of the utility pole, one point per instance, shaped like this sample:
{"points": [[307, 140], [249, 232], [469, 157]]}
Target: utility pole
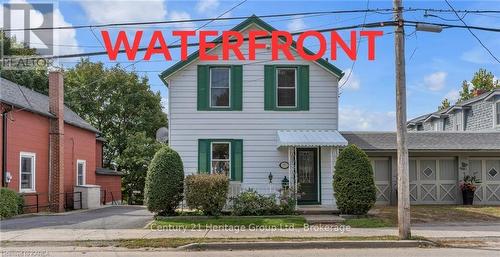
{"points": [[402, 154]]}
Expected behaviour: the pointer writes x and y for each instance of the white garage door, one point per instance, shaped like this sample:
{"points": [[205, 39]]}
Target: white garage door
{"points": [[488, 170], [382, 176], [433, 180]]}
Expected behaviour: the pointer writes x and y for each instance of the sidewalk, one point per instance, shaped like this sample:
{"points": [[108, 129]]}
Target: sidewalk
{"points": [[437, 231]]}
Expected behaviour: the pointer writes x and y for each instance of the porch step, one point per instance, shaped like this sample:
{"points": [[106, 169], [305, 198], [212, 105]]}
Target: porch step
{"points": [[317, 210], [323, 219]]}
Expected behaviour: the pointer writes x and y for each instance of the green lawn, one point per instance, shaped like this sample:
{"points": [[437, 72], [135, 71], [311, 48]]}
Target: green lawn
{"points": [[204, 222]]}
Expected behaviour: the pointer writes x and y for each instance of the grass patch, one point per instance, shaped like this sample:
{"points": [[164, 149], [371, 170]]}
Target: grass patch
{"points": [[176, 242], [368, 223], [204, 222]]}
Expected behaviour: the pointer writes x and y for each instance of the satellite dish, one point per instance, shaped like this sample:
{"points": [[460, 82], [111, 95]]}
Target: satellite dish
{"points": [[162, 135]]}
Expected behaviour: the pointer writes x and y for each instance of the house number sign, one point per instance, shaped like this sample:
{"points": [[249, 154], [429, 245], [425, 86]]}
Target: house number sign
{"points": [[284, 165]]}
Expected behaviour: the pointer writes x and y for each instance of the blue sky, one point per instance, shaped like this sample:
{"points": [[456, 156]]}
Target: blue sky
{"points": [[436, 63]]}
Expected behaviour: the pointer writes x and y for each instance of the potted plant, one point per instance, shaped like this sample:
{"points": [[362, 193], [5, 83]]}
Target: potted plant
{"points": [[468, 186]]}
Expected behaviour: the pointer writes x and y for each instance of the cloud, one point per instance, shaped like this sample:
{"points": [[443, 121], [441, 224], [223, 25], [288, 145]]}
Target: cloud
{"points": [[353, 118], [435, 81], [64, 41], [180, 15], [124, 11], [353, 84], [207, 6], [453, 95], [297, 25]]}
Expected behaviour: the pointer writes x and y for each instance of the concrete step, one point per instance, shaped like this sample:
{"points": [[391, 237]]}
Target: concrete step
{"points": [[317, 211], [323, 219]]}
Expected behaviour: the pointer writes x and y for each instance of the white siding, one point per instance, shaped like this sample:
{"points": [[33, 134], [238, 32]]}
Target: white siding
{"points": [[257, 127]]}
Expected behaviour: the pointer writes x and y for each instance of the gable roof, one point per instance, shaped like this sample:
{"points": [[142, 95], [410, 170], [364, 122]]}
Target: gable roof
{"points": [[251, 20], [14, 94], [423, 141]]}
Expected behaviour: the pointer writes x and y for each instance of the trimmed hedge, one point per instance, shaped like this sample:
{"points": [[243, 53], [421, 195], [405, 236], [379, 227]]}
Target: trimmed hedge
{"points": [[164, 182], [10, 203], [207, 193], [353, 182]]}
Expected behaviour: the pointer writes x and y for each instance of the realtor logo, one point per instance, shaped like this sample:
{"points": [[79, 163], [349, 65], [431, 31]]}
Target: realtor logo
{"points": [[23, 23]]}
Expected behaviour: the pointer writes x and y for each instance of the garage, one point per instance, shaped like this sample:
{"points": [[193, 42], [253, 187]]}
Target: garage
{"points": [[433, 180], [487, 170]]}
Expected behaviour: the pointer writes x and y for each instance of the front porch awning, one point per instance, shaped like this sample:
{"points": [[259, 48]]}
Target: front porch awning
{"points": [[304, 138]]}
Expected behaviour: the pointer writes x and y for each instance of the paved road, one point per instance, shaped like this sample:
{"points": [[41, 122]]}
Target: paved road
{"points": [[112, 217], [407, 252]]}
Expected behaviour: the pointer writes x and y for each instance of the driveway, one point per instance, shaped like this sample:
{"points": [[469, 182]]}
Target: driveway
{"points": [[112, 217]]}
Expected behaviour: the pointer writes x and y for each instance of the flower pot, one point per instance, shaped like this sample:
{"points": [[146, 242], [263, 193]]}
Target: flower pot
{"points": [[468, 197]]}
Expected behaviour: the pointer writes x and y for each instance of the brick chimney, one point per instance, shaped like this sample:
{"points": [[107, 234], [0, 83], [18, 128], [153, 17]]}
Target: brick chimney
{"points": [[56, 142]]}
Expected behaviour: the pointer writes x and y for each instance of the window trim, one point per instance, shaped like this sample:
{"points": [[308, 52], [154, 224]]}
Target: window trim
{"points": [[84, 171], [33, 178], [210, 87], [229, 159], [295, 87], [496, 112]]}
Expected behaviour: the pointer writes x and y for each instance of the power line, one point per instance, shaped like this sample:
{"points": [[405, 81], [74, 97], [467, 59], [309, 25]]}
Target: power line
{"points": [[477, 38]]}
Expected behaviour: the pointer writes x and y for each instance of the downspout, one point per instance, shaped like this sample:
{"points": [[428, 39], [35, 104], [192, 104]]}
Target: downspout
{"points": [[4, 147]]}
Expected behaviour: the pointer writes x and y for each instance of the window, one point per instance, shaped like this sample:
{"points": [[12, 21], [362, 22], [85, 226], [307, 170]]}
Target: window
{"points": [[497, 114], [27, 172], [219, 86], [80, 172], [287, 87], [420, 127], [221, 158]]}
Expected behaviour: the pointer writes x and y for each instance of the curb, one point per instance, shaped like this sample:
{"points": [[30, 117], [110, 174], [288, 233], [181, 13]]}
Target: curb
{"points": [[230, 246]]}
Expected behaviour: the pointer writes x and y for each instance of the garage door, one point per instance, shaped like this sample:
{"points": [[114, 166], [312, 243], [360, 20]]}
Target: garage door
{"points": [[433, 180], [488, 170], [382, 175]]}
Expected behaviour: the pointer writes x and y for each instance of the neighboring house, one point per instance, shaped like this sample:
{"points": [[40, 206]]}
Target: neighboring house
{"points": [[250, 119], [47, 149], [481, 113]]}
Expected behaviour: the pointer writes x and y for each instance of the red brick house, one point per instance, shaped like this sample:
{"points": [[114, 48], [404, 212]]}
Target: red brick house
{"points": [[47, 149]]}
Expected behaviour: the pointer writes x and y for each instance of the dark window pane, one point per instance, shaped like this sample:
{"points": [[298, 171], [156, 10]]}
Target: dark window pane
{"points": [[286, 97], [220, 97], [26, 164], [286, 77], [498, 113], [220, 151], [219, 77], [220, 167]]}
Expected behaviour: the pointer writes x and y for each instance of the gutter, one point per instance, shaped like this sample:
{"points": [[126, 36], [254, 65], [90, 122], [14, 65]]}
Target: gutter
{"points": [[4, 147]]}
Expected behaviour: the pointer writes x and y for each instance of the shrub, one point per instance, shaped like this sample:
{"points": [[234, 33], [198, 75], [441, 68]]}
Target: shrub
{"points": [[164, 182], [288, 201], [207, 193], [251, 203], [353, 181], [10, 203]]}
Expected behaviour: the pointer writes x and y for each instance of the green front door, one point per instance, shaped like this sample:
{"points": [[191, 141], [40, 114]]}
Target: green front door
{"points": [[307, 175]]}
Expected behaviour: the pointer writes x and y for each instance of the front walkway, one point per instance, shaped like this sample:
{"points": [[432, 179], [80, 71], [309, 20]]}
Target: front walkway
{"points": [[432, 232]]}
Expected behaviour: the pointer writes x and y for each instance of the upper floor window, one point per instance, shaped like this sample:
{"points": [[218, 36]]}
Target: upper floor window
{"points": [[497, 114], [27, 172], [287, 87], [80, 172], [420, 127], [220, 88], [220, 91]]}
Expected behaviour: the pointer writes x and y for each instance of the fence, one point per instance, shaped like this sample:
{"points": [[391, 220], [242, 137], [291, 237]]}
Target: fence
{"points": [[70, 201], [104, 197]]}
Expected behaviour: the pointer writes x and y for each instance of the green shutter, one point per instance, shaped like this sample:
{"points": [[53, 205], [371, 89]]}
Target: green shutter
{"points": [[236, 87], [303, 87], [269, 87], [237, 160], [202, 96], [203, 156]]}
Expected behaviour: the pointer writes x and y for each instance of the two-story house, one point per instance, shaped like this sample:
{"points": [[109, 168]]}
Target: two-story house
{"points": [[257, 121], [263, 122], [481, 113]]}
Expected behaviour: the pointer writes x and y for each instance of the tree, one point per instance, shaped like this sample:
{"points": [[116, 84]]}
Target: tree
{"points": [[117, 102], [353, 182], [444, 104], [134, 162], [483, 81], [36, 79], [164, 182], [465, 93]]}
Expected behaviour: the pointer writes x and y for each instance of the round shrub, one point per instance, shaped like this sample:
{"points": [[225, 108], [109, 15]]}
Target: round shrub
{"points": [[207, 193], [164, 182], [251, 203], [353, 182], [10, 203]]}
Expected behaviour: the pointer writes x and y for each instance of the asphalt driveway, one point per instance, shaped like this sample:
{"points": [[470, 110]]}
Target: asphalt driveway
{"points": [[112, 217]]}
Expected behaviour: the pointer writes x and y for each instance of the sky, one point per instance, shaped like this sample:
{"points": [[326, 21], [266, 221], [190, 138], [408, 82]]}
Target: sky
{"points": [[436, 63]]}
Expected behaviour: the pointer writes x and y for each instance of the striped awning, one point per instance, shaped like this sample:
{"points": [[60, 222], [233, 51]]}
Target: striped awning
{"points": [[310, 138]]}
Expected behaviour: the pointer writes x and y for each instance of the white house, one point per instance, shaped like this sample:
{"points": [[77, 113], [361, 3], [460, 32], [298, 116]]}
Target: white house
{"points": [[250, 119]]}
